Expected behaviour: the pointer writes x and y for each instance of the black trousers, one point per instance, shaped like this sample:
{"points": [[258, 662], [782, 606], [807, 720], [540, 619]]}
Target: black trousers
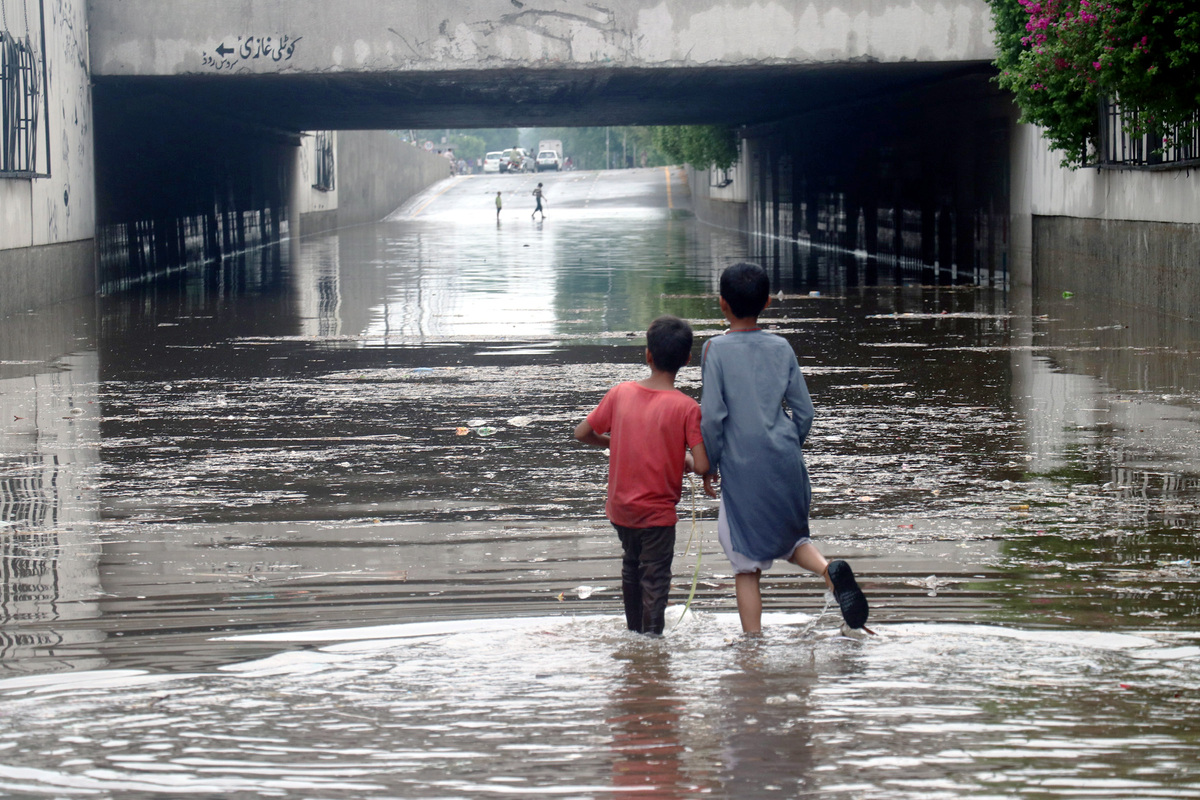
{"points": [[646, 575]]}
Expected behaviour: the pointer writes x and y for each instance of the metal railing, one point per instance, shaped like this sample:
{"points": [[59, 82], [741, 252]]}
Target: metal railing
{"points": [[324, 169], [1174, 147], [22, 76]]}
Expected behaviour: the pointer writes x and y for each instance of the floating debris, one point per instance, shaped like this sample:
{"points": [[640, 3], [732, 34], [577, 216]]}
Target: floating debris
{"points": [[932, 584]]}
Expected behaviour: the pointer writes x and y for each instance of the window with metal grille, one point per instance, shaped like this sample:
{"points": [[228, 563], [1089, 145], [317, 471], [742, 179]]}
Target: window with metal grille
{"points": [[323, 177], [1171, 147], [22, 76]]}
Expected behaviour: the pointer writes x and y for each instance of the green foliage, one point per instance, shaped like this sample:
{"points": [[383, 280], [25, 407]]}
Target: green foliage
{"points": [[702, 146], [1063, 58]]}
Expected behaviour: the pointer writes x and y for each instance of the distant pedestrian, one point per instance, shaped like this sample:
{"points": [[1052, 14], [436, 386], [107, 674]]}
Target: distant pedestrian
{"points": [[537, 193], [499, 204]]}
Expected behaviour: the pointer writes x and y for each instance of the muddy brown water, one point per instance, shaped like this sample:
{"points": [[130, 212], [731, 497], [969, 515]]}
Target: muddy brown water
{"points": [[311, 524]]}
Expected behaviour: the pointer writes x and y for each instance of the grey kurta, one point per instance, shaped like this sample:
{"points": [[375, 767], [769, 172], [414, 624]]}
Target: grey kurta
{"points": [[755, 415]]}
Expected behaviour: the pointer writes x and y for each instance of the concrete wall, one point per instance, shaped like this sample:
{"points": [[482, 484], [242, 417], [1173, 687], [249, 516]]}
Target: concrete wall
{"points": [[1125, 236], [47, 224], [1151, 265], [149, 37], [719, 197], [313, 209], [377, 172]]}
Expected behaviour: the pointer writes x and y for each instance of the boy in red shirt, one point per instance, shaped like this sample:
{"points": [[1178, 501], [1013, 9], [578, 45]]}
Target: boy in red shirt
{"points": [[648, 426]]}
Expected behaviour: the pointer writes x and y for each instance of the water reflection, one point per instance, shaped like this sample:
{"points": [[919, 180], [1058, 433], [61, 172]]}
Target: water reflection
{"points": [[585, 709], [49, 418], [645, 721], [373, 427]]}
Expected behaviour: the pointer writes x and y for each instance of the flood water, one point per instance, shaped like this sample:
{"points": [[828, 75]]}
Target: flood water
{"points": [[311, 524]]}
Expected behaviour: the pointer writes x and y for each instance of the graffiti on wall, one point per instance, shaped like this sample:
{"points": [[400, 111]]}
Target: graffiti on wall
{"points": [[226, 56]]}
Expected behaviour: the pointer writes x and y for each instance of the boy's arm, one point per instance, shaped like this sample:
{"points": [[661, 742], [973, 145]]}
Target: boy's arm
{"points": [[699, 459], [699, 464], [712, 408], [799, 401], [585, 434]]}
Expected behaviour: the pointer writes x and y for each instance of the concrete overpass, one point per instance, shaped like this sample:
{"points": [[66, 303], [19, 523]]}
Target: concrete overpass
{"points": [[358, 64], [188, 114]]}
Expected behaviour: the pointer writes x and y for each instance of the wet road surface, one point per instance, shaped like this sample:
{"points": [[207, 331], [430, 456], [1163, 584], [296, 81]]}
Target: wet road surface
{"points": [[311, 524]]}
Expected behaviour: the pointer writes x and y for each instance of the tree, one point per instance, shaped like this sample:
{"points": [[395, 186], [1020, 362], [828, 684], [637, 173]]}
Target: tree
{"points": [[1063, 58], [702, 146]]}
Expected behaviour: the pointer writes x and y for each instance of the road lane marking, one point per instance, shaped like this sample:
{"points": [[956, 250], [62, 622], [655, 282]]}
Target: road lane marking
{"points": [[449, 186]]}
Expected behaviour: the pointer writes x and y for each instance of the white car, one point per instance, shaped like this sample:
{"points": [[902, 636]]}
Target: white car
{"points": [[492, 162], [548, 159]]}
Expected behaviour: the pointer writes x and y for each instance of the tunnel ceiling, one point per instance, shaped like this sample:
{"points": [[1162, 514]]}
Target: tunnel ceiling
{"points": [[512, 98]]}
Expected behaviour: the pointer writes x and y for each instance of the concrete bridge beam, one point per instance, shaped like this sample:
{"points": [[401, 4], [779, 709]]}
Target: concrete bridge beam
{"points": [[261, 37]]}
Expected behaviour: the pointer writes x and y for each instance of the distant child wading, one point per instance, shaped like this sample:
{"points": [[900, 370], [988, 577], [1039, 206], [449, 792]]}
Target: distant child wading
{"points": [[756, 416], [649, 426], [537, 193]]}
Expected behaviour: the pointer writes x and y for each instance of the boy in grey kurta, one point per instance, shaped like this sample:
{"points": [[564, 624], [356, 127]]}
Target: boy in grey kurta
{"points": [[755, 416]]}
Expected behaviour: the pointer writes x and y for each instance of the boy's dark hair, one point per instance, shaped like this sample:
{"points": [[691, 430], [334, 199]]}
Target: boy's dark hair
{"points": [[746, 288], [670, 342]]}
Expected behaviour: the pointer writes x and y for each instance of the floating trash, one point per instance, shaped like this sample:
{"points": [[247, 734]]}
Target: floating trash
{"points": [[461, 431], [519, 422], [486, 431], [584, 592], [931, 584], [1068, 295]]}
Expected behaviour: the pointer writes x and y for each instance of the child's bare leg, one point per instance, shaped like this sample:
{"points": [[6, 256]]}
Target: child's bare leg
{"points": [[808, 557], [846, 591], [749, 601]]}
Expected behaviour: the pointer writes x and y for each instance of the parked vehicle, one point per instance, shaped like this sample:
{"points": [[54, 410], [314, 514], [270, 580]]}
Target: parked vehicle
{"points": [[493, 162], [548, 159]]}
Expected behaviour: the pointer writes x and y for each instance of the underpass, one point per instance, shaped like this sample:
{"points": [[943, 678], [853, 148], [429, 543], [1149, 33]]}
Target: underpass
{"points": [[866, 126]]}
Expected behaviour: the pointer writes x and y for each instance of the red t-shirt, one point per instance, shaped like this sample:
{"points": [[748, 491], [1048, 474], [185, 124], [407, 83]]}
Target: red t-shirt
{"points": [[651, 432]]}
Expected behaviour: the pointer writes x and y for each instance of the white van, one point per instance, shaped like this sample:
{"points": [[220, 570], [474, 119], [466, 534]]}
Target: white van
{"points": [[493, 162]]}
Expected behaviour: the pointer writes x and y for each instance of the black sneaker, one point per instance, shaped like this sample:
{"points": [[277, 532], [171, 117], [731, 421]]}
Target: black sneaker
{"points": [[849, 597]]}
